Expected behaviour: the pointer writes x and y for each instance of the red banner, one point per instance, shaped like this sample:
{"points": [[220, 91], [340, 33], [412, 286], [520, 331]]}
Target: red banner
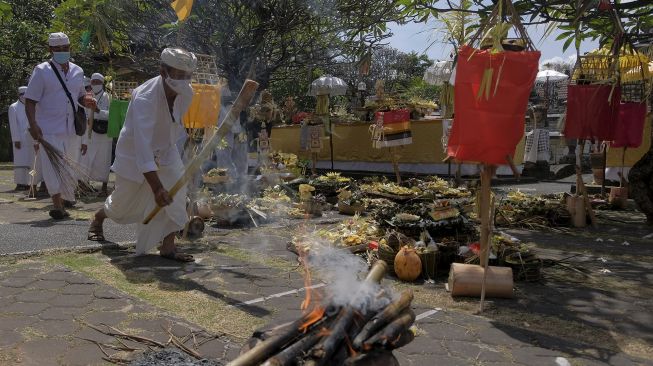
{"points": [[591, 112], [484, 129]]}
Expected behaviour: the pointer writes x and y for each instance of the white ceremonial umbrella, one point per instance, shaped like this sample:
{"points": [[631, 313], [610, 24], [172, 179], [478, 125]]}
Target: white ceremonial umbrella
{"points": [[328, 85]]}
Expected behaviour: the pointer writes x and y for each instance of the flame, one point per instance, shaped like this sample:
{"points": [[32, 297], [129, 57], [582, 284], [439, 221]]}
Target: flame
{"points": [[312, 298], [311, 318]]}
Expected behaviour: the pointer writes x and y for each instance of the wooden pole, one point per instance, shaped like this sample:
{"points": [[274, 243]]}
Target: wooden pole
{"points": [[244, 97], [395, 163], [580, 185], [486, 232], [605, 158]]}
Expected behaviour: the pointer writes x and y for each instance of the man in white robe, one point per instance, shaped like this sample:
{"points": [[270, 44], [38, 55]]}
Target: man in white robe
{"points": [[97, 160], [148, 162], [51, 116], [22, 142]]}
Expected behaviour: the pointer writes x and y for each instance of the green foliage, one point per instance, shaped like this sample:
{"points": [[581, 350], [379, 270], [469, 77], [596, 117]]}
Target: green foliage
{"points": [[23, 35]]}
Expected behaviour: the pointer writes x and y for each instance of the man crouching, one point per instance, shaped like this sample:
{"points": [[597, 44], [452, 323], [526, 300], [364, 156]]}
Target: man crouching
{"points": [[147, 160]]}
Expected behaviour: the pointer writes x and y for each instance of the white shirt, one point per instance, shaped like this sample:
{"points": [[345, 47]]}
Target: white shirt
{"points": [[103, 102], [18, 124], [148, 137], [54, 114]]}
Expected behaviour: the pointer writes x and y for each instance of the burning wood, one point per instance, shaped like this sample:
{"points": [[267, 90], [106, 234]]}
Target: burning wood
{"points": [[351, 334]]}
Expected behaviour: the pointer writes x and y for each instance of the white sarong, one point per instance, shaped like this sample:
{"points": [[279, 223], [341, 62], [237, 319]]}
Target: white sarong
{"points": [[62, 143], [131, 202], [97, 160]]}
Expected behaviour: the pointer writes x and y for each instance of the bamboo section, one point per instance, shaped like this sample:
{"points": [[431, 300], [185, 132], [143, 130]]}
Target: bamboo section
{"points": [[465, 280], [379, 320]]}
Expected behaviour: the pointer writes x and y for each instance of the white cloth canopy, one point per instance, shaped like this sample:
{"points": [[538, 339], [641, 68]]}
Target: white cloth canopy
{"points": [[550, 75], [328, 85], [438, 73]]}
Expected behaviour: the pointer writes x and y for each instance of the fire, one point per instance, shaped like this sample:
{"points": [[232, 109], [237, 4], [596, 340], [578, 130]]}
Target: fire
{"points": [[311, 318], [312, 298]]}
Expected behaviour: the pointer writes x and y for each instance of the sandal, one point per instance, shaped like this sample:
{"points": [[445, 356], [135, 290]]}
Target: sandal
{"points": [[179, 257], [58, 214], [95, 233]]}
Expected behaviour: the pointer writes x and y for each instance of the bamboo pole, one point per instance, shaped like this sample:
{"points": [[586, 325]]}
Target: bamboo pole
{"points": [[244, 97], [580, 185], [486, 232]]}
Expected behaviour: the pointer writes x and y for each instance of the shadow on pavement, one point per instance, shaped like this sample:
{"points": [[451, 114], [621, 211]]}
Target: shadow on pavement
{"points": [[165, 272]]}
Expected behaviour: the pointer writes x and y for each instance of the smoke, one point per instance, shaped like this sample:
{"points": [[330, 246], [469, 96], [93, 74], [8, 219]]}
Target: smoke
{"points": [[344, 274]]}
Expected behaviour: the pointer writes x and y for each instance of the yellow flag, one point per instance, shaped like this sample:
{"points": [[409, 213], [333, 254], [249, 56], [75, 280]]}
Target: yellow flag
{"points": [[182, 8]]}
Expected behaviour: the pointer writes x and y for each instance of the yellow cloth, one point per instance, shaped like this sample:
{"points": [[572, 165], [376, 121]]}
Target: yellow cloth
{"points": [[615, 154], [632, 67], [182, 8], [351, 142], [204, 108]]}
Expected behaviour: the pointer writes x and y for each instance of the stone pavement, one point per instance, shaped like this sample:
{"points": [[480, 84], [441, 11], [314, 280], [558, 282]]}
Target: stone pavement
{"points": [[245, 278]]}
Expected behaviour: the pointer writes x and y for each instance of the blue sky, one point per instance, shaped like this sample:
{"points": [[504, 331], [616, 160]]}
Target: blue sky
{"points": [[417, 37]]}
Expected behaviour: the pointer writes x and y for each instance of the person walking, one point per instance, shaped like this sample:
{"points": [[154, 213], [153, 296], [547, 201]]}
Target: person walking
{"points": [[51, 116]]}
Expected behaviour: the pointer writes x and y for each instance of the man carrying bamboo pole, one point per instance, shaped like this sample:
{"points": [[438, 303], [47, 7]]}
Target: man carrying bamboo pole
{"points": [[147, 160]]}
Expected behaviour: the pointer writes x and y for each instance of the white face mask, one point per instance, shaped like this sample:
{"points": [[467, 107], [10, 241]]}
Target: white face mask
{"points": [[180, 86], [96, 88]]}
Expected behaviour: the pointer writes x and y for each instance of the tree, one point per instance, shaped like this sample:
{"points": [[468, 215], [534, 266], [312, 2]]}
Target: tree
{"points": [[23, 44]]}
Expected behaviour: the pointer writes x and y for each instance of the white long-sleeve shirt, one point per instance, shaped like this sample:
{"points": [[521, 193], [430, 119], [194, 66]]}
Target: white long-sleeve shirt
{"points": [[103, 102], [148, 137], [54, 114], [18, 123]]}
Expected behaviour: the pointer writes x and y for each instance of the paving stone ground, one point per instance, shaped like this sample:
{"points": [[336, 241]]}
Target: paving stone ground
{"points": [[47, 310]]}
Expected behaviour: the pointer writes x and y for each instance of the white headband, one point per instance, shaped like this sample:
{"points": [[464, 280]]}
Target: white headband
{"points": [[97, 76], [179, 59], [22, 90], [58, 39]]}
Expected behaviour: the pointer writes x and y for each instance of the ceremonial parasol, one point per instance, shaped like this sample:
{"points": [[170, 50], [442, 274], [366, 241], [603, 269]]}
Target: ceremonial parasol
{"points": [[322, 88]]}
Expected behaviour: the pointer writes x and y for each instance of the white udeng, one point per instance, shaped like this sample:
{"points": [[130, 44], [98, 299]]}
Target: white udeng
{"points": [[147, 143]]}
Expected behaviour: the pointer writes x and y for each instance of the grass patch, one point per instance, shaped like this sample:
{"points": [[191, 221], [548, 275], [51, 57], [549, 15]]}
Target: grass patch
{"points": [[192, 305], [30, 333], [256, 257]]}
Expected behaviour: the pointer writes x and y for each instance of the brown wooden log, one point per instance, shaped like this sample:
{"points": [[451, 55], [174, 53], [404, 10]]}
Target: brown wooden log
{"points": [[296, 350], [406, 337], [389, 313], [391, 332], [323, 352], [263, 350]]}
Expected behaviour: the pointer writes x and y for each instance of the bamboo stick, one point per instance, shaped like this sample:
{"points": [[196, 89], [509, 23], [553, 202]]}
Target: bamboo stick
{"points": [[262, 350], [244, 97], [379, 320], [391, 331], [486, 231]]}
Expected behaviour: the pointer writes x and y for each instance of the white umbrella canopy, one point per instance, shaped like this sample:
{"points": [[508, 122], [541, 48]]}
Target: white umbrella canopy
{"points": [[438, 73], [328, 84], [550, 75]]}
